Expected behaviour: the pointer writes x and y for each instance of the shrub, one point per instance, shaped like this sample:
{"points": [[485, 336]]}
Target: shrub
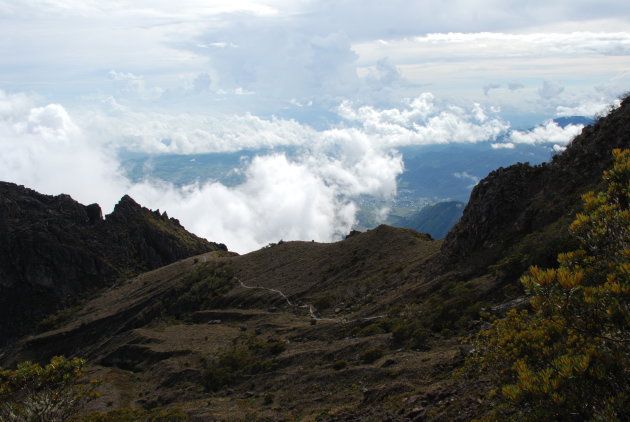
{"points": [[372, 355], [268, 399], [200, 289], [569, 358], [324, 302], [411, 333], [372, 329], [49, 393], [249, 357]]}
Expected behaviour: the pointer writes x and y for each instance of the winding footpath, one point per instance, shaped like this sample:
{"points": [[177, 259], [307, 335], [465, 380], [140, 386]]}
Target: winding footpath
{"points": [[311, 310]]}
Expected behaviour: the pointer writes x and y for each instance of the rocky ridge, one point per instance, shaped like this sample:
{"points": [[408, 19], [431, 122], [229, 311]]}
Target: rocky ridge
{"points": [[514, 202], [55, 251]]}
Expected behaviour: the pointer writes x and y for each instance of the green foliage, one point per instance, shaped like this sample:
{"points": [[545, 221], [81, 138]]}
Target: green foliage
{"points": [[538, 248], [569, 359], [200, 289], [136, 415], [411, 333], [56, 320], [372, 355], [32, 393], [248, 357]]}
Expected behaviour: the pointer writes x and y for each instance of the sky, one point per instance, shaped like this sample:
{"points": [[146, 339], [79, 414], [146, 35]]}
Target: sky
{"points": [[344, 82]]}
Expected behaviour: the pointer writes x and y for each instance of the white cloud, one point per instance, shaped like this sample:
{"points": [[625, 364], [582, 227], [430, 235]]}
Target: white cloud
{"points": [[134, 85], [422, 122], [43, 148], [467, 177], [588, 108], [280, 199], [506, 145], [515, 85], [549, 133], [454, 46], [308, 197], [279, 61], [187, 133]]}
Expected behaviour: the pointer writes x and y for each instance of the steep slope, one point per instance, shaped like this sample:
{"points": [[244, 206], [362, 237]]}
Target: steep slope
{"points": [[55, 251], [516, 211]]}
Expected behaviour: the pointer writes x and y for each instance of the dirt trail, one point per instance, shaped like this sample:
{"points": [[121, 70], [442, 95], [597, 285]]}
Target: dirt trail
{"points": [[311, 310]]}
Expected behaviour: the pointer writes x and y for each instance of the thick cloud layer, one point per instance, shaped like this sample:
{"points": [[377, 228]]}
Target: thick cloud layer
{"points": [[423, 122], [549, 133], [308, 197]]}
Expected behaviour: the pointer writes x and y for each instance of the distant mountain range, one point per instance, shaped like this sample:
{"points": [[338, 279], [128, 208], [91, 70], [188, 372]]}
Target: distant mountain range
{"points": [[574, 120], [434, 219]]}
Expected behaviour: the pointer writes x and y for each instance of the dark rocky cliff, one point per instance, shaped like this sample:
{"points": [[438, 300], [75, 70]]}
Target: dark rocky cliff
{"points": [[55, 250], [522, 200]]}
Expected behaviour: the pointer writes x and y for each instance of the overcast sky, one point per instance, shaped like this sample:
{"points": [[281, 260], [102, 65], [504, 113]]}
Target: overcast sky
{"points": [[345, 81]]}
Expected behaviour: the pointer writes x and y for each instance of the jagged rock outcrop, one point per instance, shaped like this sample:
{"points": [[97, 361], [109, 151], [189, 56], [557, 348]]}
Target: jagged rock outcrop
{"points": [[55, 250], [519, 200]]}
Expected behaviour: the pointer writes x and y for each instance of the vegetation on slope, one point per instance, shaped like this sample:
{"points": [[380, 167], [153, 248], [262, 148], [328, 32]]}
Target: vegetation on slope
{"points": [[568, 359], [50, 393]]}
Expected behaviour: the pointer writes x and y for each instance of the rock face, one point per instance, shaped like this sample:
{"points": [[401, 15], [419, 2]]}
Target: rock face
{"points": [[513, 202], [55, 250]]}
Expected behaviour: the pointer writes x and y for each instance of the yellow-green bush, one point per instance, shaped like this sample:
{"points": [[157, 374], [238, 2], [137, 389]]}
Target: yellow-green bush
{"points": [[569, 358], [52, 392], [248, 357]]}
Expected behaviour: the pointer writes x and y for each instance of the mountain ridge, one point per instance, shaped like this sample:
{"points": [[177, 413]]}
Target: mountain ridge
{"points": [[521, 199], [56, 250]]}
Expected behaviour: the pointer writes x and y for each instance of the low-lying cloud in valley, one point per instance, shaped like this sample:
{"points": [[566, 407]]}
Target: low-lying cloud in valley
{"points": [[326, 93], [310, 194]]}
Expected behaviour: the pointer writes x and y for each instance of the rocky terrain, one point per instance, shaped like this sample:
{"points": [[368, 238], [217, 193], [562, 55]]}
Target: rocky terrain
{"points": [[373, 327], [55, 251], [522, 200]]}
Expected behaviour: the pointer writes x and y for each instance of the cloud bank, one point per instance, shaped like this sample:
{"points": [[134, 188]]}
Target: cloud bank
{"points": [[309, 196], [422, 122]]}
